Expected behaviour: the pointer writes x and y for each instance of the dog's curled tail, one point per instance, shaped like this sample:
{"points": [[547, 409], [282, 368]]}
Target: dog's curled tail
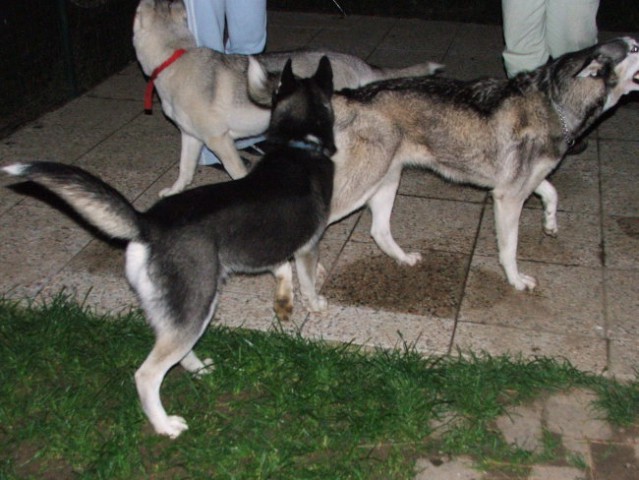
{"points": [[418, 70], [96, 201]]}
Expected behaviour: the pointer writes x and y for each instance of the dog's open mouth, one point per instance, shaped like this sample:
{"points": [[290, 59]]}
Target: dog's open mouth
{"points": [[635, 78]]}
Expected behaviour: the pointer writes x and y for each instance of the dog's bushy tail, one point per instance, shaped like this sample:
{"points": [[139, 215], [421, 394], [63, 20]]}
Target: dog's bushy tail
{"points": [[418, 70], [97, 202]]}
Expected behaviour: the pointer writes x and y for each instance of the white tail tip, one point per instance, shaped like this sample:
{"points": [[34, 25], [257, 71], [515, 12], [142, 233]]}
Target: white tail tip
{"points": [[17, 169]]}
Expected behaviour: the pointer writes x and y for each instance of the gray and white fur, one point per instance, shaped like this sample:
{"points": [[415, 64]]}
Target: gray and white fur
{"points": [[180, 250], [205, 92]]}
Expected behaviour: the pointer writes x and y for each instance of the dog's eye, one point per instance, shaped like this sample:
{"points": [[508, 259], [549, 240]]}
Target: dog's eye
{"points": [[634, 49]]}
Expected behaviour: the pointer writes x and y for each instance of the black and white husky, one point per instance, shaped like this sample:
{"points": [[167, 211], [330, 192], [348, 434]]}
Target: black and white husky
{"points": [[182, 248]]}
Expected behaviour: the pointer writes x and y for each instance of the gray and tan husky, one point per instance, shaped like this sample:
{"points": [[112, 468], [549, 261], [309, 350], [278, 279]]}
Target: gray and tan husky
{"points": [[504, 135], [182, 248], [204, 91]]}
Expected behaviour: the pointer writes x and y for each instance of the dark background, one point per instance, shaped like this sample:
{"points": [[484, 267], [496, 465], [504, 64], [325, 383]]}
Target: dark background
{"points": [[54, 50]]}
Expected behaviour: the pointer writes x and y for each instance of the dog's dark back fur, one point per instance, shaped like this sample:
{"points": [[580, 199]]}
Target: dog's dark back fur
{"points": [[182, 247], [485, 95]]}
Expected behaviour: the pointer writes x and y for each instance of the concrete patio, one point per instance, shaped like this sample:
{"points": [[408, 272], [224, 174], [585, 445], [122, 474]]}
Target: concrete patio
{"points": [[457, 298], [584, 310]]}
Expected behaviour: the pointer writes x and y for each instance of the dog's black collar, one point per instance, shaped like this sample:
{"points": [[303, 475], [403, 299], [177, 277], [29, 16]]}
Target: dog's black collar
{"points": [[568, 138], [309, 145]]}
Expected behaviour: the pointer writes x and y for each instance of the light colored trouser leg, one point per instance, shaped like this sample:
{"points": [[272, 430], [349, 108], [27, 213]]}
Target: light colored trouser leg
{"points": [[246, 23], [524, 34], [570, 26], [206, 21]]}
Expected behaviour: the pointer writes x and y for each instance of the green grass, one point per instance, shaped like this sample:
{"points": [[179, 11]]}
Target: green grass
{"points": [[276, 406]]}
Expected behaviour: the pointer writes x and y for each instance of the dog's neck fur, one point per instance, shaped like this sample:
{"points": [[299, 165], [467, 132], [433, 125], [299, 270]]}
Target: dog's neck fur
{"points": [[154, 45], [574, 115], [568, 137]]}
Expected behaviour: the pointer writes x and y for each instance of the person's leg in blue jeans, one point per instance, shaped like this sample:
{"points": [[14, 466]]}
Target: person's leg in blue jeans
{"points": [[246, 29]]}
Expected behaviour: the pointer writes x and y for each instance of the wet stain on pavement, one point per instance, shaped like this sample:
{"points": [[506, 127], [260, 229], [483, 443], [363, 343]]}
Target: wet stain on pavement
{"points": [[614, 461], [488, 288], [433, 286], [102, 258], [629, 226]]}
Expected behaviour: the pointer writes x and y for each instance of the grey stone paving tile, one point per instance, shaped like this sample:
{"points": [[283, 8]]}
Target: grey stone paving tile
{"points": [[621, 123], [471, 67], [374, 328], [96, 277], [127, 84], [364, 277], [68, 132], [619, 178], [567, 300], [423, 224], [622, 303], [614, 461], [313, 20], [621, 241], [289, 38], [585, 353], [548, 472], [354, 41], [522, 426], [578, 241], [623, 358], [460, 468], [477, 39], [36, 241], [573, 414], [414, 34]]}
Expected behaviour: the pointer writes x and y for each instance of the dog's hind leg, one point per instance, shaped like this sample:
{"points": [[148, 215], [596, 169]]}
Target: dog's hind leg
{"points": [[172, 345], [191, 363], [381, 206], [306, 262], [507, 213], [168, 350], [224, 148], [283, 306], [190, 152], [549, 198]]}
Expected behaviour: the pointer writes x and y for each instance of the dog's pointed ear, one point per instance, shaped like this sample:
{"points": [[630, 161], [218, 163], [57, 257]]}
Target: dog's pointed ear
{"points": [[287, 80], [324, 75], [592, 68]]}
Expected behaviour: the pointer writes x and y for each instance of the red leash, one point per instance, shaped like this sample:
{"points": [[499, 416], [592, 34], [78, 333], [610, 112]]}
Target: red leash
{"points": [[148, 94]]}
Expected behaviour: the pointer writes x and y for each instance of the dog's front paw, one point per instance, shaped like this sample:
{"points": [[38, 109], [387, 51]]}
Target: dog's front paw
{"points": [[207, 368], [172, 427], [551, 230], [167, 192], [283, 308], [411, 259], [318, 304], [524, 282]]}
